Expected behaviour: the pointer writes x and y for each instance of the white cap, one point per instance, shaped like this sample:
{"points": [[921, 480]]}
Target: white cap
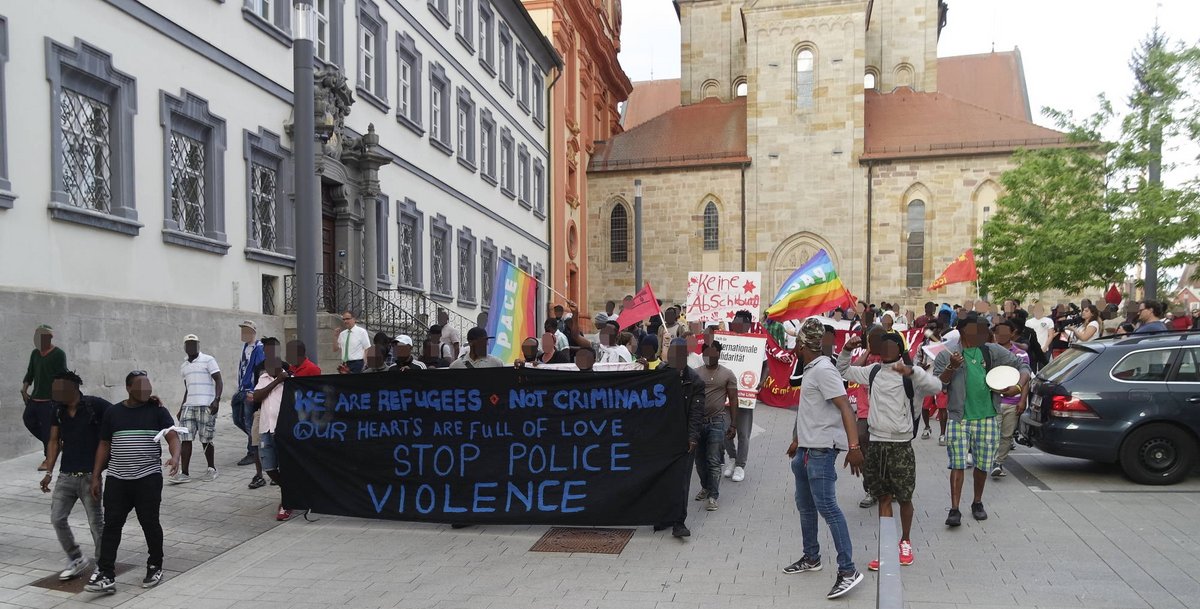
{"points": [[191, 337], [403, 339]]}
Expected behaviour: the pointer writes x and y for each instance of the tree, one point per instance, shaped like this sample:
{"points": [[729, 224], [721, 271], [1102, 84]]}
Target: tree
{"points": [[1080, 217]]}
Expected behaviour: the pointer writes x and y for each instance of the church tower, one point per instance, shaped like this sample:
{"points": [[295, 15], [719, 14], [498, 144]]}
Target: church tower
{"points": [[902, 44], [712, 49]]}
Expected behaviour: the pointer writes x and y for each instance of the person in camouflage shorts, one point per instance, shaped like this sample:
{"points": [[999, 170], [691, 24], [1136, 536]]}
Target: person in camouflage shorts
{"points": [[891, 471]]}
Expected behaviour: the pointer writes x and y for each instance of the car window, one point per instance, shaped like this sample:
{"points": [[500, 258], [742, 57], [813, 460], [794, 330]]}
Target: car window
{"points": [[1144, 366], [1063, 366], [1189, 366]]}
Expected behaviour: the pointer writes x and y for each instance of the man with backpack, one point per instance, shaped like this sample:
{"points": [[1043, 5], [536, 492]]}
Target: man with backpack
{"points": [[973, 407], [890, 470]]}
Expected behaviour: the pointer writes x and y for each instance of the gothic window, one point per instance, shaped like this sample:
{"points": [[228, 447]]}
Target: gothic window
{"points": [[914, 228], [411, 223], [194, 151], [712, 240], [618, 234], [91, 144], [408, 94], [804, 79], [372, 56], [439, 257], [273, 17]]}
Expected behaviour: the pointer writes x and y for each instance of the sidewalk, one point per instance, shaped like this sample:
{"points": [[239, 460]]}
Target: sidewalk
{"points": [[1063, 534]]}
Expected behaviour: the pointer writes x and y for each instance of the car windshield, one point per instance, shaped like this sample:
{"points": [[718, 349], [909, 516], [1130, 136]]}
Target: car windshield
{"points": [[1063, 366]]}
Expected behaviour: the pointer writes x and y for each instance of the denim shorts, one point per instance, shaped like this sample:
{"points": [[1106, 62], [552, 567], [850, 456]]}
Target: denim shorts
{"points": [[266, 451]]}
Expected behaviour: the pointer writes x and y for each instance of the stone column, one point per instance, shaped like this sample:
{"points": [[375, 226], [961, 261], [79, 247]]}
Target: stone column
{"points": [[364, 154]]}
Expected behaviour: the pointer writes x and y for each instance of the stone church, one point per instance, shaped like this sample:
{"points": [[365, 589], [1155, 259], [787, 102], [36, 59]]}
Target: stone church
{"points": [[808, 124]]}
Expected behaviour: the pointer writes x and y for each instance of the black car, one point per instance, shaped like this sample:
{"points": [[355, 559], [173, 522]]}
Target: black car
{"points": [[1131, 399]]}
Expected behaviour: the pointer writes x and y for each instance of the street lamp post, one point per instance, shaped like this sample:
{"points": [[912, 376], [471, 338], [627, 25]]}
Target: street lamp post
{"points": [[308, 209], [637, 235]]}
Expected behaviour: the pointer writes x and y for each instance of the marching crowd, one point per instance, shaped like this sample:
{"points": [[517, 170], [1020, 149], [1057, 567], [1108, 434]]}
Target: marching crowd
{"points": [[864, 404]]}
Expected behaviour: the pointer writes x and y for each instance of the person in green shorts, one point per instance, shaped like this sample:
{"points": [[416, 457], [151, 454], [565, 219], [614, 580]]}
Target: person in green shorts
{"points": [[972, 407]]}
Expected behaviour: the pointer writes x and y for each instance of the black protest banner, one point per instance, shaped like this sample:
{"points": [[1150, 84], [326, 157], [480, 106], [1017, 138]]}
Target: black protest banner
{"points": [[487, 446]]}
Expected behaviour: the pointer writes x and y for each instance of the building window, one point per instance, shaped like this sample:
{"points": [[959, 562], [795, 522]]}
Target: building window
{"points": [[506, 58], [539, 188], [439, 109], [328, 42], [273, 17], [523, 175], [712, 227], [383, 206], [487, 46], [507, 160], [91, 148], [487, 147], [522, 79], [741, 89], [487, 272], [271, 231], [194, 154], [411, 224], [618, 234], [804, 79], [466, 267], [408, 94], [441, 10], [463, 23], [269, 283], [915, 248], [539, 99], [466, 129], [6, 195], [372, 56], [869, 82], [439, 257]]}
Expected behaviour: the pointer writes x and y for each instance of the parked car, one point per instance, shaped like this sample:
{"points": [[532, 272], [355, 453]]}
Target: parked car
{"points": [[1133, 400]]}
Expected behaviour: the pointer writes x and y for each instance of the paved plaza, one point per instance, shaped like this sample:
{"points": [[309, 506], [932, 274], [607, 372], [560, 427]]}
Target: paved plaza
{"points": [[1063, 534]]}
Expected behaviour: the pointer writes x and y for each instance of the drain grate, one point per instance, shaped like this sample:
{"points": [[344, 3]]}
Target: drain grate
{"points": [[75, 586], [592, 541]]}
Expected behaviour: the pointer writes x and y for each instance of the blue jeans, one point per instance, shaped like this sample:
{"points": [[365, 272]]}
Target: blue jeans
{"points": [[708, 453], [816, 493], [68, 490], [243, 417]]}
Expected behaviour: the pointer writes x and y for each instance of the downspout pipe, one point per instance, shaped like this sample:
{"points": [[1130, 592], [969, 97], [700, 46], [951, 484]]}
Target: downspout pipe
{"points": [[870, 222]]}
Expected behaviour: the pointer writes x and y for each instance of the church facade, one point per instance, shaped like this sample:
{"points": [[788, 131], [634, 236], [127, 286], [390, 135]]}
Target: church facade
{"points": [[804, 125]]}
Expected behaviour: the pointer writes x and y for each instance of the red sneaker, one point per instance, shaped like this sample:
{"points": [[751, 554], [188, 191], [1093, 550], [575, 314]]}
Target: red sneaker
{"points": [[906, 553], [283, 514], [873, 565]]}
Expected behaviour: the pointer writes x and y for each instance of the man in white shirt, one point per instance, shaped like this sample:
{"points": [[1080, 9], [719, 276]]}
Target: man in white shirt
{"points": [[603, 318], [451, 337], [352, 343], [1043, 327], [198, 412]]}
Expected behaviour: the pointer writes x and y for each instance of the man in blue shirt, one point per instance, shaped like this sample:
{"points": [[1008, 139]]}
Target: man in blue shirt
{"points": [[251, 357], [1150, 314]]}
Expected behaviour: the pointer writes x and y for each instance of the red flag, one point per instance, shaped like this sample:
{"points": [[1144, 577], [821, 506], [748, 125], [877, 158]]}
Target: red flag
{"points": [[962, 269], [643, 307], [1113, 295]]}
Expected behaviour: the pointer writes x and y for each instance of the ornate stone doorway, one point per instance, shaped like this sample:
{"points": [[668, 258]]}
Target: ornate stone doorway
{"points": [[790, 255]]}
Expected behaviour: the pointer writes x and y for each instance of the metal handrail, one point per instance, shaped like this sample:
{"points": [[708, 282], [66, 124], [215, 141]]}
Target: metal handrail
{"points": [[425, 309], [337, 293]]}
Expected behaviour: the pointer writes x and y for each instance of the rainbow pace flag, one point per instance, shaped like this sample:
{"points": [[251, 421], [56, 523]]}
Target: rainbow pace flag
{"points": [[514, 311], [812, 290]]}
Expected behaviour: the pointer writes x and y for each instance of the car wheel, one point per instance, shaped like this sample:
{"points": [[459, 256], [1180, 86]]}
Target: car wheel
{"points": [[1158, 454]]}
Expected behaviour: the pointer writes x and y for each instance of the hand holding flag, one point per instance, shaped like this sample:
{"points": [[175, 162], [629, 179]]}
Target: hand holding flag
{"points": [[812, 290]]}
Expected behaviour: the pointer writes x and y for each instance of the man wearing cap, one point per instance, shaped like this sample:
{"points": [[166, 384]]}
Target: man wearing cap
{"points": [[352, 344], [45, 362], [402, 347], [252, 357], [477, 354], [202, 389]]}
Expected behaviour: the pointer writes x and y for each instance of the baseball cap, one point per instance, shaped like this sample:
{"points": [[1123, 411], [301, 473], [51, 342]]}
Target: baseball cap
{"points": [[46, 328], [403, 339], [249, 324], [476, 333], [191, 337]]}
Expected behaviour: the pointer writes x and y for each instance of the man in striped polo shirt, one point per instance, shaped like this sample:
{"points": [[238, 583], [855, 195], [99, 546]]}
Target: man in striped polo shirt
{"points": [[130, 449]]}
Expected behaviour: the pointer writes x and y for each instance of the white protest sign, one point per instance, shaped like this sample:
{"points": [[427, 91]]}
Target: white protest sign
{"points": [[744, 354], [717, 296], [597, 367]]}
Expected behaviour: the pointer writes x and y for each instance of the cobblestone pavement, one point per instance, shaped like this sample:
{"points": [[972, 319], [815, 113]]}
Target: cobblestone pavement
{"points": [[1063, 534]]}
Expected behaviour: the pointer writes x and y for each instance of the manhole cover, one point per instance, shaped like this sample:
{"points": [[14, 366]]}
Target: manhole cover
{"points": [[75, 586], [593, 541]]}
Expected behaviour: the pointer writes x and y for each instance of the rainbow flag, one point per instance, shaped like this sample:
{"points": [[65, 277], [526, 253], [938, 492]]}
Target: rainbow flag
{"points": [[514, 311], [812, 290]]}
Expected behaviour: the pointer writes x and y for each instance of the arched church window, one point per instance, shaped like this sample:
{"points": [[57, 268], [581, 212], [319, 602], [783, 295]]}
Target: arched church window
{"points": [[618, 233], [712, 227], [742, 89], [914, 227], [869, 82], [804, 79]]}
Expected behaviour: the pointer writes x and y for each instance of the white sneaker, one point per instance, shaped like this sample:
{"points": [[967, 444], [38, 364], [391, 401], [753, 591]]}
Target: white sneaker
{"points": [[74, 569], [729, 467], [180, 479], [942, 440], [210, 475], [739, 474]]}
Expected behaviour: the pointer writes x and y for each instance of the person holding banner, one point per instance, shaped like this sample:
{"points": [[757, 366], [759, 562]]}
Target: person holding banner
{"points": [[477, 355], [693, 407], [720, 400], [824, 427]]}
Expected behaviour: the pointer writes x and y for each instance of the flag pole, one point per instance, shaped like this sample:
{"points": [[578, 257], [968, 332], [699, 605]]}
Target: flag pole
{"points": [[545, 285]]}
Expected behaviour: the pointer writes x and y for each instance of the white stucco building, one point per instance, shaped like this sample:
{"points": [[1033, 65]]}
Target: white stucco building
{"points": [[146, 182]]}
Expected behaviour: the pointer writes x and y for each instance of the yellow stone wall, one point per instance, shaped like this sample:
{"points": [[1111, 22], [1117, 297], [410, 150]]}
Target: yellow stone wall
{"points": [[901, 44], [673, 203], [712, 47]]}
